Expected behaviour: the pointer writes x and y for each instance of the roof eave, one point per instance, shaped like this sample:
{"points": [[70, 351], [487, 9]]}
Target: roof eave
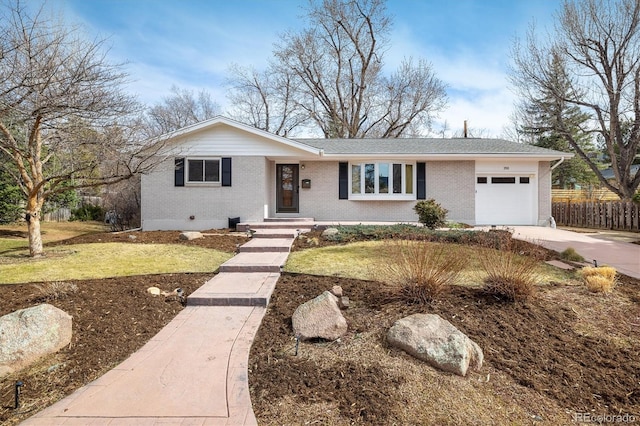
{"points": [[452, 156]]}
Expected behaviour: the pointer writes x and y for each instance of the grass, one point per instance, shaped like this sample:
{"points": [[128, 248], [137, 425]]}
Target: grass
{"points": [[102, 260], [367, 261], [421, 271], [599, 280], [571, 255], [15, 236], [354, 260]]}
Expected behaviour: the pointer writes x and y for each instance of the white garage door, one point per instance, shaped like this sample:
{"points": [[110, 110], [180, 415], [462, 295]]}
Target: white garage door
{"points": [[505, 200]]}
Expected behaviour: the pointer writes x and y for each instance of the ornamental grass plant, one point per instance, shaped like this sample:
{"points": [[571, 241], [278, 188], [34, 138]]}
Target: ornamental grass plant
{"points": [[600, 279], [418, 271], [510, 270]]}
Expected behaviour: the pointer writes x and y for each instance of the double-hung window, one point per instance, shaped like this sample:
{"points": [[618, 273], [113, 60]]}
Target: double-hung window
{"points": [[203, 170], [382, 180]]}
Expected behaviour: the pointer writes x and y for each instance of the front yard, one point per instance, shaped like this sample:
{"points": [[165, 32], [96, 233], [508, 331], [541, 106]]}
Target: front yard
{"points": [[563, 352]]}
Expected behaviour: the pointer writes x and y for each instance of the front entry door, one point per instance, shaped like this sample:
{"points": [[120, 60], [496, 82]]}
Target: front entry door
{"points": [[287, 188]]}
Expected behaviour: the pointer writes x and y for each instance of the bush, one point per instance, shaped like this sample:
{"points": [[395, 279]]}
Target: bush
{"points": [[55, 290], [510, 275], [599, 280], [431, 214], [571, 255], [87, 212], [419, 272]]}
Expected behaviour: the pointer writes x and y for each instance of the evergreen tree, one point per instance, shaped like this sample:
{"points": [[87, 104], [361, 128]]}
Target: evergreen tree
{"points": [[543, 117]]}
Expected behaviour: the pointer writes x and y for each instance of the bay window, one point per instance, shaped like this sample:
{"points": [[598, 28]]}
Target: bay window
{"points": [[382, 180]]}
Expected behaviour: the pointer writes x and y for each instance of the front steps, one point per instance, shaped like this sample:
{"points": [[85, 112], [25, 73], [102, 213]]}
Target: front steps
{"points": [[236, 289], [255, 262], [249, 278], [293, 223]]}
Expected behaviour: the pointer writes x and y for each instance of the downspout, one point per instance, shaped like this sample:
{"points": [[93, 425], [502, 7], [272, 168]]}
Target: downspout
{"points": [[557, 164]]}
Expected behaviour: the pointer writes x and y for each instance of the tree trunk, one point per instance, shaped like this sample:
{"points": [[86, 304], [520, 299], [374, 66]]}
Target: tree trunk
{"points": [[35, 237]]}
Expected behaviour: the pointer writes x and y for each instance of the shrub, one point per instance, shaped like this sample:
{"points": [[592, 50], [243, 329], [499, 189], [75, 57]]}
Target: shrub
{"points": [[55, 290], [571, 255], [431, 214], [599, 280], [419, 272], [87, 212], [510, 275]]}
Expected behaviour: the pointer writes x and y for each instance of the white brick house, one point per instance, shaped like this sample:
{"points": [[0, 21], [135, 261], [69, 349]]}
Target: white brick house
{"points": [[220, 169]]}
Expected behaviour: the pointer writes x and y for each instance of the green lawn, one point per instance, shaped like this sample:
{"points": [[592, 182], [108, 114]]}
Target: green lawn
{"points": [[15, 236], [102, 260], [366, 260]]}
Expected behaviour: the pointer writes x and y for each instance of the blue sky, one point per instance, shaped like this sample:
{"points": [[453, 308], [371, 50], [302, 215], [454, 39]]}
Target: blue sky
{"points": [[191, 43]]}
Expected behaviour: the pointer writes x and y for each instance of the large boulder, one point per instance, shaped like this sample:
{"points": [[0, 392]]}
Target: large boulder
{"points": [[31, 333], [435, 340], [319, 318], [190, 235]]}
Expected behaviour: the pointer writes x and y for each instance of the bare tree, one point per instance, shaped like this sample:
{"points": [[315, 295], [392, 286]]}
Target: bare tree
{"points": [[62, 112], [595, 52], [265, 99], [182, 108], [333, 70]]}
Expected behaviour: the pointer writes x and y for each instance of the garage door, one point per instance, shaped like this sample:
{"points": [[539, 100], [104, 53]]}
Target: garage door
{"points": [[505, 200]]}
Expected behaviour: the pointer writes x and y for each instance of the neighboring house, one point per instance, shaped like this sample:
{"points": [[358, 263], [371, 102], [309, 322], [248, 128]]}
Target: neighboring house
{"points": [[611, 177], [220, 169]]}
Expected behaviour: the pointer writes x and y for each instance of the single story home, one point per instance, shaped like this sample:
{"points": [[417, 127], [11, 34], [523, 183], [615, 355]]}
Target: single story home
{"points": [[220, 169]]}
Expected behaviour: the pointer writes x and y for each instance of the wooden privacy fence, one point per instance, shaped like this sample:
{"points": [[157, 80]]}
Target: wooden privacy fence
{"points": [[618, 215]]}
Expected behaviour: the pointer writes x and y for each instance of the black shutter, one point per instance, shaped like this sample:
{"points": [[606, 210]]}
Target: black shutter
{"points": [[343, 181], [226, 171], [422, 181], [179, 172]]}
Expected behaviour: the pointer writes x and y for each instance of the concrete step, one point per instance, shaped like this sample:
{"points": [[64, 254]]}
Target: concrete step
{"points": [[275, 233], [235, 289], [274, 225], [289, 219], [263, 245], [255, 262]]}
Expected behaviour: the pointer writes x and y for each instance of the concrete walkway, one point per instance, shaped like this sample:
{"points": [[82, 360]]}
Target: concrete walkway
{"points": [[606, 248], [194, 371]]}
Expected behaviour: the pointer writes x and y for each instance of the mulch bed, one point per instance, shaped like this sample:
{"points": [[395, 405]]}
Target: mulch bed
{"points": [[532, 342]]}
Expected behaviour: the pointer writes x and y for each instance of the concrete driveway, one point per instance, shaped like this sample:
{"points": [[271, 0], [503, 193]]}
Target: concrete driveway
{"points": [[607, 248]]}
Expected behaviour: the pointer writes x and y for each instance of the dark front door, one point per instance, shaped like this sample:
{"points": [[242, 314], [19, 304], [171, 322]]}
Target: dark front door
{"points": [[286, 188]]}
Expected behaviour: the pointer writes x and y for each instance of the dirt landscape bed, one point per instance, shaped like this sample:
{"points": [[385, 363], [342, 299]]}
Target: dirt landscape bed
{"points": [[540, 363]]}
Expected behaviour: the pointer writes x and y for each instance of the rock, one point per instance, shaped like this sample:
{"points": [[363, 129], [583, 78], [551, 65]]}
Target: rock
{"points": [[330, 232], [154, 291], [336, 291], [29, 334], [343, 302], [430, 338], [319, 317], [191, 235], [133, 237]]}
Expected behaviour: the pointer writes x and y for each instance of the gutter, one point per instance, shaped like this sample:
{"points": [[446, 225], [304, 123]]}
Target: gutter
{"points": [[558, 163]]}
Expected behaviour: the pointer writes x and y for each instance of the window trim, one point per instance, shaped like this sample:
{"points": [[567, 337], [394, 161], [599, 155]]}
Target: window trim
{"points": [[385, 196], [189, 182]]}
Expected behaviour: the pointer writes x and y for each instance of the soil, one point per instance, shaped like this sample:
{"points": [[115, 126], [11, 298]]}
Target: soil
{"points": [[565, 351], [532, 348]]}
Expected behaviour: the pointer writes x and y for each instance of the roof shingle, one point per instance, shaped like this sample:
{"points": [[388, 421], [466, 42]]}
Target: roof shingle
{"points": [[427, 146]]}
